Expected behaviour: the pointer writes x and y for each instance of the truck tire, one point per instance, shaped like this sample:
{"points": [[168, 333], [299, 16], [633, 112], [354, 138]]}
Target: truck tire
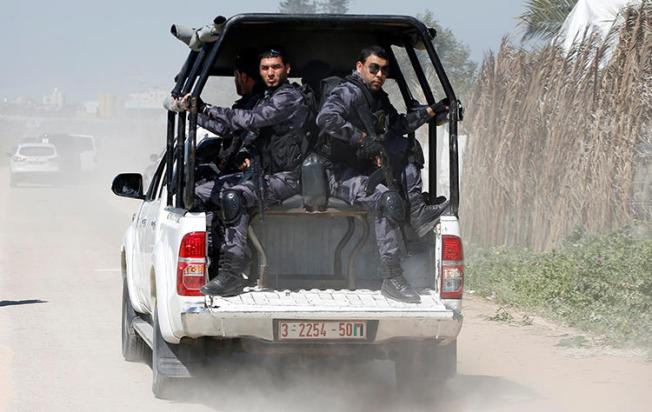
{"points": [[161, 383], [421, 368], [173, 364], [134, 348]]}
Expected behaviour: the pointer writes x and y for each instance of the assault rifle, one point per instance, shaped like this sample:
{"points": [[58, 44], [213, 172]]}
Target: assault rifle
{"points": [[376, 127], [255, 174]]}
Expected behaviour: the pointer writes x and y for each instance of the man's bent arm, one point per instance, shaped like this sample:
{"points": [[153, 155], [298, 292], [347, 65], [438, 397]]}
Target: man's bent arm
{"points": [[331, 119], [214, 125], [267, 113], [401, 124]]}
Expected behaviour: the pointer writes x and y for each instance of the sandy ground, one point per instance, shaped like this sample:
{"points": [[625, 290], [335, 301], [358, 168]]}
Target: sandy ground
{"points": [[60, 291]]}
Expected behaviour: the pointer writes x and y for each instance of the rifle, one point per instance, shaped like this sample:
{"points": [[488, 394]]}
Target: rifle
{"points": [[259, 181], [255, 173], [376, 131]]}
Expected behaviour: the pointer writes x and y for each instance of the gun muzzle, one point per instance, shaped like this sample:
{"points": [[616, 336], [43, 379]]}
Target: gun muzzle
{"points": [[182, 33], [196, 38]]}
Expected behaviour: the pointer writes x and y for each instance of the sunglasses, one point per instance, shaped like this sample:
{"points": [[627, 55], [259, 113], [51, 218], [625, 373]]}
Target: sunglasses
{"points": [[375, 68]]}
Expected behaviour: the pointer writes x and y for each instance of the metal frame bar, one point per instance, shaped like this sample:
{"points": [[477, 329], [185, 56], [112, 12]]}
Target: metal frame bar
{"points": [[172, 154], [189, 159], [262, 257], [337, 263], [349, 276], [183, 74], [432, 128], [178, 155], [199, 71], [452, 123], [422, 33], [169, 156], [400, 78], [407, 97]]}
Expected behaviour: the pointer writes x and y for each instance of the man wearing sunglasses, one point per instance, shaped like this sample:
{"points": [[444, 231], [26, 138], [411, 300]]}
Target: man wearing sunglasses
{"points": [[279, 122], [344, 123]]}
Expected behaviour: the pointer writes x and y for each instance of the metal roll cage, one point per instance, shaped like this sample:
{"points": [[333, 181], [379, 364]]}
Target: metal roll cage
{"points": [[180, 155]]}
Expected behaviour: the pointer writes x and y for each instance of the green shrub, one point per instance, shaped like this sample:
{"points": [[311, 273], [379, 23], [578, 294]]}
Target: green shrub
{"points": [[598, 283]]}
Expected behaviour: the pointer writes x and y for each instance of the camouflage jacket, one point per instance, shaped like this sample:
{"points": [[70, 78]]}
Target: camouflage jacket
{"points": [[278, 120], [341, 127]]}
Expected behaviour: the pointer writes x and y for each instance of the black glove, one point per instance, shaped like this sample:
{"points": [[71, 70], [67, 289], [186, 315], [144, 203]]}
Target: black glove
{"points": [[441, 111], [200, 105], [368, 149]]}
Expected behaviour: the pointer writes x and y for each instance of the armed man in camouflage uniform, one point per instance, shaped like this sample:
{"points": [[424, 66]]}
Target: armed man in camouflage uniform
{"points": [[227, 153], [279, 120], [352, 158]]}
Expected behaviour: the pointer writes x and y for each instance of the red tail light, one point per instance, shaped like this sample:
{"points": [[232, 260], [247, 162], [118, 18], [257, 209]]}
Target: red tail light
{"points": [[452, 267], [191, 269]]}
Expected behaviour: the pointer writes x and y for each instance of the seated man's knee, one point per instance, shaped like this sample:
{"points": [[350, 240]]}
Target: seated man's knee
{"points": [[233, 206], [392, 206]]}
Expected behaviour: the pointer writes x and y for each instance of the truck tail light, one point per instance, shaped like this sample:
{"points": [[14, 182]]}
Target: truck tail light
{"points": [[452, 267], [191, 268]]}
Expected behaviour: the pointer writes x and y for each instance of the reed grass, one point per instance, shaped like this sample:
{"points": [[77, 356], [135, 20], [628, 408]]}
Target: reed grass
{"points": [[553, 138]]}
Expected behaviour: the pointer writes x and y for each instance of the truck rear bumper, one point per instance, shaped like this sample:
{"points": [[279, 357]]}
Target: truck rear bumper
{"points": [[254, 314]]}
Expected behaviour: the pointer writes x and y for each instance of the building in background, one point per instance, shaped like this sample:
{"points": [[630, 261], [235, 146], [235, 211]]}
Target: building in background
{"points": [[146, 101], [53, 101]]}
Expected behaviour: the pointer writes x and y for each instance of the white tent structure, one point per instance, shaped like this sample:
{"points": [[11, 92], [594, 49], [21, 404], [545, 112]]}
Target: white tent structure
{"points": [[599, 16]]}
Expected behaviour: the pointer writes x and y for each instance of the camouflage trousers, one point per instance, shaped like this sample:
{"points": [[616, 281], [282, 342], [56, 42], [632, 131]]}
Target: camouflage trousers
{"points": [[412, 181], [277, 188], [231, 240], [208, 193], [351, 188]]}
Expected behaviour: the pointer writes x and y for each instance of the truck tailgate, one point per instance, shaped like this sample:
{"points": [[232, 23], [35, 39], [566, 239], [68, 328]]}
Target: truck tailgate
{"points": [[254, 313]]}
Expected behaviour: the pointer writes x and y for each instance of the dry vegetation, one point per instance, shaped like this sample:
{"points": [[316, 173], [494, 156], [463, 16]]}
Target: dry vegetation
{"points": [[553, 138]]}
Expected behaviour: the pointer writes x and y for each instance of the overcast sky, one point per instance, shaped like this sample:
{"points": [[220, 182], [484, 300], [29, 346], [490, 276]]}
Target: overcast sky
{"points": [[86, 47]]}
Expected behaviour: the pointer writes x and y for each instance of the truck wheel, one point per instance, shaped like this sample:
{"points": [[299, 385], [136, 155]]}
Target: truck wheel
{"points": [[134, 347], [422, 367], [162, 384]]}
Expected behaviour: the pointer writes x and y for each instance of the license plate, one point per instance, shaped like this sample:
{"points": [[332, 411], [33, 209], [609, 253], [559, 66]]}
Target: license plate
{"points": [[322, 330]]}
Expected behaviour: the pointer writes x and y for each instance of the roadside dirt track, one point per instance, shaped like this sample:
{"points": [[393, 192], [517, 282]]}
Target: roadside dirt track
{"points": [[60, 292]]}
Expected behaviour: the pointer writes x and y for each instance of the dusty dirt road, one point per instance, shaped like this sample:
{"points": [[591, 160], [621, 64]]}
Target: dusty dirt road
{"points": [[60, 292]]}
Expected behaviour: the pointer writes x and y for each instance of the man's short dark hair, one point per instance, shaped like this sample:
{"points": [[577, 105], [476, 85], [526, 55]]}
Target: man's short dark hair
{"points": [[372, 50], [274, 51], [247, 62]]}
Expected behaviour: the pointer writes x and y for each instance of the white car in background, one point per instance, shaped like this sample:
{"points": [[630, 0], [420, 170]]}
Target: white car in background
{"points": [[35, 162]]}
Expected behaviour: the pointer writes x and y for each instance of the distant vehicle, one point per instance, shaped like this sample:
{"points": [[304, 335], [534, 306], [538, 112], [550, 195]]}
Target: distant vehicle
{"points": [[37, 162], [78, 152]]}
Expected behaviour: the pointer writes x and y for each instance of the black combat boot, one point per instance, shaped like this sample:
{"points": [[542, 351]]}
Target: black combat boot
{"points": [[395, 286], [228, 282], [423, 216]]}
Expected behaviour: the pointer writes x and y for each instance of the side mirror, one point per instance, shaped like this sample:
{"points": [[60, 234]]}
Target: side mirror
{"points": [[128, 185]]}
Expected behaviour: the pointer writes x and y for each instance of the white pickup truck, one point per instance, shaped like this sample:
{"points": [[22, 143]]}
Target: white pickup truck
{"points": [[313, 285]]}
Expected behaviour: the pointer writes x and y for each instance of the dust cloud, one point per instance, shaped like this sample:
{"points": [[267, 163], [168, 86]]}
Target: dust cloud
{"points": [[67, 238], [79, 204]]}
